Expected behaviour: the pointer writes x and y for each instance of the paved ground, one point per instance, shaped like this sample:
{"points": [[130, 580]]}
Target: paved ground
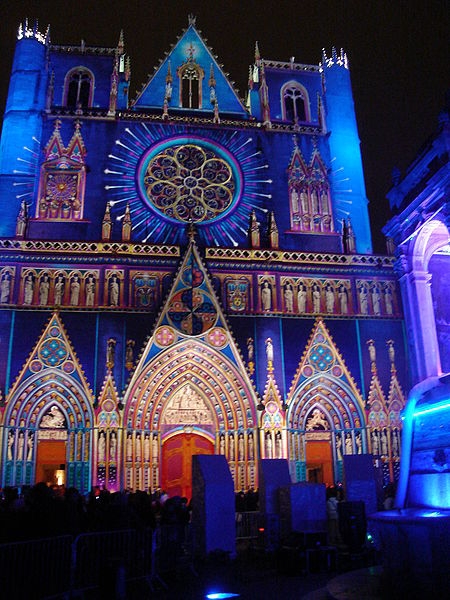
{"points": [[253, 577]]}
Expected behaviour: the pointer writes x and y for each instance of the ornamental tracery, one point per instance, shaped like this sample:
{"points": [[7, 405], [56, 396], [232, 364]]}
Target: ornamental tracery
{"points": [[63, 178], [189, 183]]}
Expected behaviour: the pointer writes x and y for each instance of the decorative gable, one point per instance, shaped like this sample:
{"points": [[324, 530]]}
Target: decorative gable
{"points": [[63, 178], [190, 78]]}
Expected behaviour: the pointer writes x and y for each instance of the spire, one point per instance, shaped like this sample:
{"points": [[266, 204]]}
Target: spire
{"points": [[264, 95], [127, 68], [22, 220], [254, 231], [114, 86], [273, 231], [127, 225], [50, 92], [121, 45], [107, 224], [257, 55], [212, 86], [169, 80]]}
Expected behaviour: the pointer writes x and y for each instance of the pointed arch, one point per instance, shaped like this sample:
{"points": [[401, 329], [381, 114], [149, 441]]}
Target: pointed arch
{"points": [[79, 85], [50, 401], [295, 105], [324, 405]]}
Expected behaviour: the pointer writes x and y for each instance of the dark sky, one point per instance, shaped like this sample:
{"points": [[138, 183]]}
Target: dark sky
{"points": [[398, 53]]}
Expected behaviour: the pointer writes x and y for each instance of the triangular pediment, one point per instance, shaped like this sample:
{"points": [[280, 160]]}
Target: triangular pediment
{"points": [[192, 310], [192, 349], [53, 351], [190, 51], [107, 412], [322, 362]]}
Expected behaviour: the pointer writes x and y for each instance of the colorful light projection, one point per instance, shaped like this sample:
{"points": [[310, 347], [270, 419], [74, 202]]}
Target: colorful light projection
{"points": [[425, 470], [212, 179]]}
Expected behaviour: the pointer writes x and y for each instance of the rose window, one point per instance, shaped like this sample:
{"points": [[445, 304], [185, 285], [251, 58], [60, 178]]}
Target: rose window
{"points": [[190, 182]]}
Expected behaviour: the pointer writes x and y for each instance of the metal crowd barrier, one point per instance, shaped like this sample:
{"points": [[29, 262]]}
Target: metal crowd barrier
{"points": [[247, 525], [36, 568], [106, 561]]}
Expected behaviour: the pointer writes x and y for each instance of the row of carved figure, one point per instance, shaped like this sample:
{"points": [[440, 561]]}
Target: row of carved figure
{"points": [[332, 297]]}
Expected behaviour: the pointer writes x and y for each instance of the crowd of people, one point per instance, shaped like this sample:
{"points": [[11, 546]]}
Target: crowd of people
{"points": [[44, 511]]}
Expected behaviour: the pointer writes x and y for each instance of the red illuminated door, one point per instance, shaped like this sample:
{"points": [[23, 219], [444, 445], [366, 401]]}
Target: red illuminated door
{"points": [[51, 461], [176, 468], [319, 462]]}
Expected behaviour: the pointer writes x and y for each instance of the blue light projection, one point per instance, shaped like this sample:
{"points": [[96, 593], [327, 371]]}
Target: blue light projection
{"points": [[155, 216], [425, 470]]}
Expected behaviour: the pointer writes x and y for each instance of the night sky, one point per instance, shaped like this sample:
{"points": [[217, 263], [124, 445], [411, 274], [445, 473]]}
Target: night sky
{"points": [[398, 53]]}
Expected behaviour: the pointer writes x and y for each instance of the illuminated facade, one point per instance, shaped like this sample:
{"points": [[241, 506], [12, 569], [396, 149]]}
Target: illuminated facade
{"points": [[189, 272]]}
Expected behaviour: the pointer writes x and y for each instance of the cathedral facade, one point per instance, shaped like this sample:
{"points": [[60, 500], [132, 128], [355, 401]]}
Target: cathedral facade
{"points": [[189, 272]]}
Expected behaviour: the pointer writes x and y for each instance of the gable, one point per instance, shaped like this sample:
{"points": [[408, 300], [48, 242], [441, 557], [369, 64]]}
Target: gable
{"points": [[190, 48]]}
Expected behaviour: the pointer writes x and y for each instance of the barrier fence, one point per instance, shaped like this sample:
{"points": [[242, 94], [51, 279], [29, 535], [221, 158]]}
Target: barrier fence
{"points": [[63, 567]]}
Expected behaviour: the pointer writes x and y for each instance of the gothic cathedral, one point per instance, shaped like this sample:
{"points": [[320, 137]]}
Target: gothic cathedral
{"points": [[189, 272]]}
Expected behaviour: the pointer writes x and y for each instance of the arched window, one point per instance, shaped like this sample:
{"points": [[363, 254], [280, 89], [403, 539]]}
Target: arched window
{"points": [[78, 88], [295, 103], [191, 76]]}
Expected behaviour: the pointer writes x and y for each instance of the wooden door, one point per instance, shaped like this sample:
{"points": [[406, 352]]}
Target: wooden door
{"points": [[51, 461], [176, 467], [319, 462]]}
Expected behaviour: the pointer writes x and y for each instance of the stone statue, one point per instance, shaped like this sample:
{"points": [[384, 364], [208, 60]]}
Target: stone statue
{"points": [[5, 289], [75, 291], [375, 443], [301, 298], [59, 290], [241, 447], [44, 288], [10, 445], [90, 291], [384, 443], [101, 446], [268, 439], [138, 448], [278, 445], [339, 447], [343, 299], [112, 446], [28, 290], [20, 446], [329, 299], [53, 419], [146, 448], [251, 447], [376, 300], [388, 300], [315, 292], [30, 446], [110, 353], [231, 446], [250, 349], [362, 292], [114, 291], [348, 444], [266, 296], [289, 298], [129, 447], [269, 351]]}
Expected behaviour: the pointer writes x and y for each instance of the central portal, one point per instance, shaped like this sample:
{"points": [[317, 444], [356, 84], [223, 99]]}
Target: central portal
{"points": [[176, 468]]}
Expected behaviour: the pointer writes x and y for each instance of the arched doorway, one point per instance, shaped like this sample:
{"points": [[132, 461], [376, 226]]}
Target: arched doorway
{"points": [[176, 462], [51, 462]]}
